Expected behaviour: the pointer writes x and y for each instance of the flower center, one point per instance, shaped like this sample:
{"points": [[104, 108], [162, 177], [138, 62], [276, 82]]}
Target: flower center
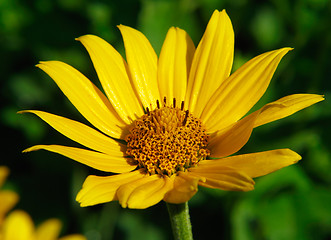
{"points": [[167, 139]]}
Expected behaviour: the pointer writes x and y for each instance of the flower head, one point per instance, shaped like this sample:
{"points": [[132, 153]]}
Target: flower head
{"points": [[8, 198], [19, 226], [169, 124]]}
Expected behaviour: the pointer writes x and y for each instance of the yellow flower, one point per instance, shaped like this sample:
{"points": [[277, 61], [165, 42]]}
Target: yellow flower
{"points": [[19, 226], [166, 119], [7, 198]]}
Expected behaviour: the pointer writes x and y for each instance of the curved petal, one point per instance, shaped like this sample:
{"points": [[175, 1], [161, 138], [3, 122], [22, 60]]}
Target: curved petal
{"points": [[285, 106], [253, 164], [4, 171], [142, 63], [212, 62], [184, 186], [49, 230], [19, 226], [81, 133], [8, 199], [224, 178], [144, 192], [174, 64], [232, 139], [100, 161], [112, 72], [98, 190], [239, 93], [86, 97]]}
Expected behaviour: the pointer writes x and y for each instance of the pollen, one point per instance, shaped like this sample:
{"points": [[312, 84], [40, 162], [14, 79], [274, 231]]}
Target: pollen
{"points": [[167, 140]]}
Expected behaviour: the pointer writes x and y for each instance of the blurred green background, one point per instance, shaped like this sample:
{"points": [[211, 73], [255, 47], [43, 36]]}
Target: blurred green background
{"points": [[293, 203]]}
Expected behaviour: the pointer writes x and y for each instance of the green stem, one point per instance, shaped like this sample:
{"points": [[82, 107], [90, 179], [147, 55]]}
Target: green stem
{"points": [[180, 221]]}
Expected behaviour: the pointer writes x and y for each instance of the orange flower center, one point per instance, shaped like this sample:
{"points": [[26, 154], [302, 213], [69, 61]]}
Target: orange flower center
{"points": [[167, 139]]}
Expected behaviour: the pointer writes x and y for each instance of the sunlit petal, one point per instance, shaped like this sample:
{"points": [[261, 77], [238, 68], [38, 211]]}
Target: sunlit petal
{"points": [[147, 193], [174, 64], [81, 133], [142, 63], [233, 138], [212, 61], [225, 178], [98, 190], [185, 185], [253, 164], [86, 97], [285, 106], [100, 161], [236, 96], [112, 72]]}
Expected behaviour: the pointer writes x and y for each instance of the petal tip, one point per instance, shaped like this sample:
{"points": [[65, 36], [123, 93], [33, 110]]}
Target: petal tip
{"points": [[286, 49], [81, 204], [27, 150], [321, 98], [33, 148], [121, 26], [250, 188], [293, 154], [223, 12], [83, 37], [123, 204], [296, 157], [80, 200], [26, 111], [41, 64]]}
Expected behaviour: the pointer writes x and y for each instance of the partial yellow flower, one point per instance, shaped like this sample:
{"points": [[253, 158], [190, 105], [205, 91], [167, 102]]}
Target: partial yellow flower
{"points": [[163, 121], [19, 226], [8, 198]]}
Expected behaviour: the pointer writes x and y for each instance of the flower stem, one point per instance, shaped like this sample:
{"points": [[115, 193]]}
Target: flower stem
{"points": [[180, 221]]}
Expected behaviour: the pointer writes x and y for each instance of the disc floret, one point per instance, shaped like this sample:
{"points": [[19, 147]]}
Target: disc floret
{"points": [[167, 140]]}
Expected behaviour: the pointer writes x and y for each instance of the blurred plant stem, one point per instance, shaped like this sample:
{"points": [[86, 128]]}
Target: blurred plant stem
{"points": [[180, 221]]}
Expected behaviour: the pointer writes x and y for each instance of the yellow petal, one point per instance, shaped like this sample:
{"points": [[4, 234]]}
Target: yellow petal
{"points": [[232, 139], [174, 64], [124, 191], [18, 226], [86, 97], [184, 186], [254, 164], [212, 61], [112, 72], [73, 237], [98, 190], [8, 199], [49, 230], [149, 193], [239, 93], [100, 161], [286, 106], [4, 171], [142, 62], [224, 178], [81, 133]]}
